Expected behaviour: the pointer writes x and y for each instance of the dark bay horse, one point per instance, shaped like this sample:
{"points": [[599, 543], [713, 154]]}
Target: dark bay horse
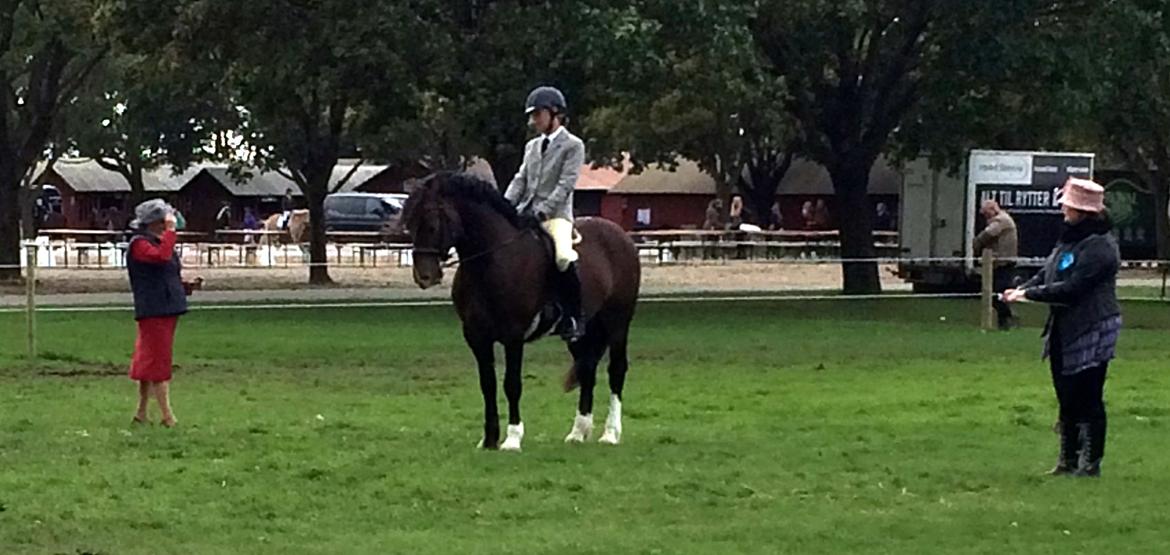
{"points": [[503, 294]]}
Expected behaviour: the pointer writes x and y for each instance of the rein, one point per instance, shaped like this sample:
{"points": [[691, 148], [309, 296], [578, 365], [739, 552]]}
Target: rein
{"points": [[437, 252]]}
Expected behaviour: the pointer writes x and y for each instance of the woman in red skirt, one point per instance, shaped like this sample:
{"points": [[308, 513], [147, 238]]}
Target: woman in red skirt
{"points": [[160, 297]]}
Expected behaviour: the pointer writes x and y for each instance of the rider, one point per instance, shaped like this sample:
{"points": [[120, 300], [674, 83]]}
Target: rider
{"points": [[287, 205], [543, 189]]}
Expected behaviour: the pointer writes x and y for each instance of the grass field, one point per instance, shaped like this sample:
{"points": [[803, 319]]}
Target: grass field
{"points": [[831, 427]]}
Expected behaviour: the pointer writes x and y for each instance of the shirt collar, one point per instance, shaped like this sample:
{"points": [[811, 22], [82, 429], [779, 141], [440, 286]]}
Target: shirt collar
{"points": [[552, 136]]}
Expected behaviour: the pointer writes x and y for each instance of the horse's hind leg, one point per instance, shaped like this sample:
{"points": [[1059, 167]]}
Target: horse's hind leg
{"points": [[619, 364], [513, 387], [587, 353]]}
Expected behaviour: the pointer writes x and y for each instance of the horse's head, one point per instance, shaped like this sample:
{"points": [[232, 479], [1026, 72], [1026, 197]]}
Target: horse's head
{"points": [[434, 226]]}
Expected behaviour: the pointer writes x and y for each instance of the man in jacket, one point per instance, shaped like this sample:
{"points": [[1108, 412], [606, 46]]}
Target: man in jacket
{"points": [[543, 189], [1001, 237]]}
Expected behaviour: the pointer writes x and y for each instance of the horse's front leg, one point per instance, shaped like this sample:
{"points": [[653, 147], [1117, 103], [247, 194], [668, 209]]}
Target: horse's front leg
{"points": [[485, 358], [513, 387]]}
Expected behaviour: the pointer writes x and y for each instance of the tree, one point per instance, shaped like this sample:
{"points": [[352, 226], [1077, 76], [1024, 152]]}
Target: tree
{"points": [[870, 76], [505, 48], [140, 113], [1126, 87], [312, 79], [47, 52], [694, 88]]}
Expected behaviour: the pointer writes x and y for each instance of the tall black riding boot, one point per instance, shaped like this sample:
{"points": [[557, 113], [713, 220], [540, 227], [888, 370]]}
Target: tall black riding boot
{"points": [[1067, 461], [572, 325], [1092, 438]]}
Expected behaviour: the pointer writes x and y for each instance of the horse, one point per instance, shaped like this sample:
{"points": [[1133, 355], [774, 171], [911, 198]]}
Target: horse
{"points": [[503, 294], [297, 227]]}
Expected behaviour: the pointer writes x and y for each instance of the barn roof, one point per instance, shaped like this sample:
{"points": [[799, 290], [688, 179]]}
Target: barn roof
{"points": [[803, 178], [810, 178], [273, 184], [603, 178], [84, 175], [686, 179]]}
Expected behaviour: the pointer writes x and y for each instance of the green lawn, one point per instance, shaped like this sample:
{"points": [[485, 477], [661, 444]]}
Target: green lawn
{"points": [[785, 427]]}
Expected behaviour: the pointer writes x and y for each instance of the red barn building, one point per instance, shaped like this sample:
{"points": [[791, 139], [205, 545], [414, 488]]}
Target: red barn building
{"points": [[91, 194]]}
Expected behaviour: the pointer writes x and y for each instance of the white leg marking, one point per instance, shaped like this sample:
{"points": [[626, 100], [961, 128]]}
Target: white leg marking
{"points": [[582, 429], [512, 441], [613, 423]]}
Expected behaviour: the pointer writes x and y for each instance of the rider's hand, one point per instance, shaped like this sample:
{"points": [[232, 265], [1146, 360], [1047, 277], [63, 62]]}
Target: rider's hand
{"points": [[530, 220], [1014, 296]]}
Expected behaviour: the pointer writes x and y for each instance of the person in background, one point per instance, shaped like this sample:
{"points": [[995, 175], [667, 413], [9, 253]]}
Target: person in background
{"points": [[1079, 283], [735, 212], [113, 219], [160, 298], [821, 218], [223, 218], [251, 223], [883, 220], [806, 214], [714, 216], [287, 205], [250, 219], [777, 217], [1002, 238]]}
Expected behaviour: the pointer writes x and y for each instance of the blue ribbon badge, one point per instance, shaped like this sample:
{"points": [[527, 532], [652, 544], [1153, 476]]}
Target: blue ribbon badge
{"points": [[1066, 261]]}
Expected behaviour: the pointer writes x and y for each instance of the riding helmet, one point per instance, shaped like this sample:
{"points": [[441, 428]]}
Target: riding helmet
{"points": [[546, 98]]}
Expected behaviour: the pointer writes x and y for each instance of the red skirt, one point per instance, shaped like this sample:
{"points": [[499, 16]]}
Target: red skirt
{"points": [[154, 349]]}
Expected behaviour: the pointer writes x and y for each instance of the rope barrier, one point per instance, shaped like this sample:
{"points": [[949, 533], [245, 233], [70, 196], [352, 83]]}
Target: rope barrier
{"points": [[683, 298], [676, 299], [834, 261]]}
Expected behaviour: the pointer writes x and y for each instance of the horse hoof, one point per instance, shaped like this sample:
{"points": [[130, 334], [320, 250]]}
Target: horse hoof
{"points": [[511, 444], [512, 441], [491, 447], [582, 429], [611, 437]]}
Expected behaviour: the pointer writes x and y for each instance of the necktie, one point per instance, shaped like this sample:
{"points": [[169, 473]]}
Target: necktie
{"points": [[543, 145]]}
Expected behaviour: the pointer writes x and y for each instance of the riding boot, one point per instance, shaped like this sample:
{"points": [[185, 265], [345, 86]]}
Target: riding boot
{"points": [[1092, 438], [1067, 461], [572, 324]]}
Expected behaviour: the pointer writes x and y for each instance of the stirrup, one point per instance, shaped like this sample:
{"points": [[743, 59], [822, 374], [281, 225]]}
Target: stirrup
{"points": [[571, 329]]}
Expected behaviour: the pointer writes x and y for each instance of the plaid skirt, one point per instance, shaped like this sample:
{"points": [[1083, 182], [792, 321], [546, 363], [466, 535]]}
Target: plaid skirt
{"points": [[1093, 348]]}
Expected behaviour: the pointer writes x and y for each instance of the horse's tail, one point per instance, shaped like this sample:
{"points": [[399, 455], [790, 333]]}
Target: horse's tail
{"points": [[571, 381]]}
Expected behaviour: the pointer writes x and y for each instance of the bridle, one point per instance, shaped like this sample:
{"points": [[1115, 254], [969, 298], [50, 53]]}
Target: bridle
{"points": [[443, 254]]}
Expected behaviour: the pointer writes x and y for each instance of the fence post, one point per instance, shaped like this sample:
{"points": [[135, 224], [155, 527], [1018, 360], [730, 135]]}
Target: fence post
{"points": [[30, 301], [1165, 270], [987, 311]]}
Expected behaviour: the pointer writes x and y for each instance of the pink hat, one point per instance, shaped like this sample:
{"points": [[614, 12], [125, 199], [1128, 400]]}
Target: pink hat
{"points": [[1083, 195]]}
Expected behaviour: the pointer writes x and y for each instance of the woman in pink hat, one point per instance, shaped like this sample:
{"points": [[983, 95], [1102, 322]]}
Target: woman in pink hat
{"points": [[1079, 283]]}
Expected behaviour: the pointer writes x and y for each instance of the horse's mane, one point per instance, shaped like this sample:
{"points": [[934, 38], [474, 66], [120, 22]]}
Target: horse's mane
{"points": [[465, 186]]}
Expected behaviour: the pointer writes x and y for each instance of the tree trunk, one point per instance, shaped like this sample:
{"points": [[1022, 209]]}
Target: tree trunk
{"points": [[9, 220], [762, 194], [137, 187], [505, 161], [317, 185], [28, 212], [855, 222], [1161, 188]]}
